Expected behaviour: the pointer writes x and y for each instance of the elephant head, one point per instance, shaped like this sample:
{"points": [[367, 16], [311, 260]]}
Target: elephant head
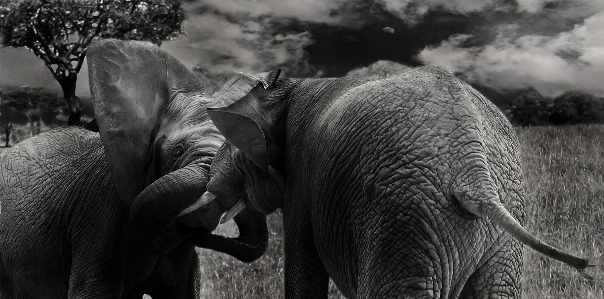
{"points": [[255, 154], [249, 167], [159, 143]]}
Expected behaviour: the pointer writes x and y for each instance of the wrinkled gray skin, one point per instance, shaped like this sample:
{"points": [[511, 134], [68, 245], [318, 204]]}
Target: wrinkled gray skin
{"points": [[405, 187], [89, 215]]}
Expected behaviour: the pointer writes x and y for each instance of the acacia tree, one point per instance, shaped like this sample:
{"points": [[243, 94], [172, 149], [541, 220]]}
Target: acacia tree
{"points": [[59, 31]]}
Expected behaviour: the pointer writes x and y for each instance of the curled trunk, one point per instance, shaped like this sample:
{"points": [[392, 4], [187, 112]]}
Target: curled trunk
{"points": [[162, 200]]}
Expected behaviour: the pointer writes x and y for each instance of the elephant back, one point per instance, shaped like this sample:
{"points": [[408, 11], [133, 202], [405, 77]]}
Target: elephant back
{"points": [[65, 141]]}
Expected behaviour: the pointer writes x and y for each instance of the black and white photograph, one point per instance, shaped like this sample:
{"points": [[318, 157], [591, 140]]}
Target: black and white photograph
{"points": [[301, 149]]}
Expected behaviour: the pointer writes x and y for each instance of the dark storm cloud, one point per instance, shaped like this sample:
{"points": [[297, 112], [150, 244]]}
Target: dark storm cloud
{"points": [[232, 42], [314, 37], [331, 37]]}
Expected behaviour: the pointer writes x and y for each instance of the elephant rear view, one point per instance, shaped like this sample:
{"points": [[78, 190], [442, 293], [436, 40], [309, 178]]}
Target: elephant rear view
{"points": [[404, 187]]}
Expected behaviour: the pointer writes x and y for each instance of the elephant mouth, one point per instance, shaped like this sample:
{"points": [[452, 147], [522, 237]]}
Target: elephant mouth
{"points": [[205, 199], [164, 200], [205, 218], [208, 201], [253, 234], [173, 203]]}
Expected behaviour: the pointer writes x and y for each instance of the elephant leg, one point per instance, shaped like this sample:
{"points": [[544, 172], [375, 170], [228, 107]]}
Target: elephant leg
{"points": [[96, 273], [6, 285], [403, 275], [97, 248], [499, 274], [403, 257], [305, 275], [176, 275]]}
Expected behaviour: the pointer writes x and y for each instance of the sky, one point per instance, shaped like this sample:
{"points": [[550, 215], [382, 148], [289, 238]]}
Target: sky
{"points": [[553, 45]]}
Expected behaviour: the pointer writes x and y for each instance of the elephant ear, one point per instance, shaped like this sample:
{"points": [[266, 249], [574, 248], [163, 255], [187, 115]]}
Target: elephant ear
{"points": [[266, 79], [238, 85], [132, 84], [249, 123]]}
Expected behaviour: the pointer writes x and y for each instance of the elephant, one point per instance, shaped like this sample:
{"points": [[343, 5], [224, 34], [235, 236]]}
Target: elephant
{"points": [[404, 187], [112, 214]]}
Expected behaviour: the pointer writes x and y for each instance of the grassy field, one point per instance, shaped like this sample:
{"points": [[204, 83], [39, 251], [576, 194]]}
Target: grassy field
{"points": [[564, 177]]}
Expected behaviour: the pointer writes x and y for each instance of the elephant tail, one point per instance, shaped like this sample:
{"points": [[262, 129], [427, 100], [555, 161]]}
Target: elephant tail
{"points": [[477, 193]]}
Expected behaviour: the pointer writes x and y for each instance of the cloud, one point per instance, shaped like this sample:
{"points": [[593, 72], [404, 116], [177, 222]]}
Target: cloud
{"points": [[305, 37], [573, 6], [309, 10], [255, 36], [413, 11], [572, 59], [231, 42], [533, 6]]}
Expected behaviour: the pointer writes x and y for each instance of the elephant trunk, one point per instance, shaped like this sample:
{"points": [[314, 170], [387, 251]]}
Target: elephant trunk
{"points": [[165, 198], [248, 247]]}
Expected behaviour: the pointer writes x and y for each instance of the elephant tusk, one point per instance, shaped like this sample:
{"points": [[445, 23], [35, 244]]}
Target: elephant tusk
{"points": [[205, 199], [239, 205]]}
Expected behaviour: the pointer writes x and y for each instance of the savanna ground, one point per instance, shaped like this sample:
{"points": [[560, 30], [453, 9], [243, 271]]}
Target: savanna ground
{"points": [[564, 179]]}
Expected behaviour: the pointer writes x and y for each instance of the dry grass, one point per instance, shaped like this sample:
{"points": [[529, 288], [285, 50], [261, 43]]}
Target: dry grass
{"points": [[225, 277], [564, 176]]}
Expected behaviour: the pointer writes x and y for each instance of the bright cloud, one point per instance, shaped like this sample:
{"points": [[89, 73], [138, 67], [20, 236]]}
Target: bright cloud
{"points": [[412, 11], [307, 10], [552, 64], [533, 6]]}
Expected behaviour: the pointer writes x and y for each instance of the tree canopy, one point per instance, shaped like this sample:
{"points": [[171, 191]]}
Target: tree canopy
{"points": [[33, 103], [59, 31]]}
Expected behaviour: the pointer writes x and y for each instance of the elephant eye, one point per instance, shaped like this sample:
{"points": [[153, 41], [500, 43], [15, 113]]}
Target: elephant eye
{"points": [[178, 150]]}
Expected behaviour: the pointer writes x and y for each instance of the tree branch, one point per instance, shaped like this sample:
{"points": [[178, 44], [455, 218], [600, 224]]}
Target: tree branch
{"points": [[97, 31], [41, 39], [80, 61], [51, 55]]}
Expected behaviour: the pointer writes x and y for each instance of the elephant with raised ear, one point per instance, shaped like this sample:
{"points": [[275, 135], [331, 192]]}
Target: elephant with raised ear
{"points": [[404, 187], [116, 214]]}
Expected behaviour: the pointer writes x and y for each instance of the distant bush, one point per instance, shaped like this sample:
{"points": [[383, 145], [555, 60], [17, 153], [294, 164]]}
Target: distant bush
{"points": [[530, 108], [574, 107]]}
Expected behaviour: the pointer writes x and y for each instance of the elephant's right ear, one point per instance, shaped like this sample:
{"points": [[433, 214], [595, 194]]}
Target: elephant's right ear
{"points": [[132, 84], [243, 132], [252, 122]]}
